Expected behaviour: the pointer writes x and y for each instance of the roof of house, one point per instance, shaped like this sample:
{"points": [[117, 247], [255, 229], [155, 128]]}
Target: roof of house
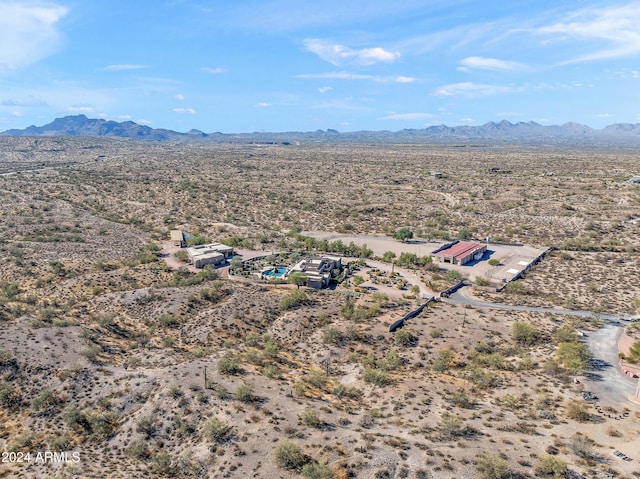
{"points": [[176, 235], [460, 250]]}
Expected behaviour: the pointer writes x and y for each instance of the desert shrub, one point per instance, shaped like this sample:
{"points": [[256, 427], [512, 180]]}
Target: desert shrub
{"points": [[8, 395], [138, 449], [453, 276], [484, 379], [443, 361], [270, 349], [61, 442], [436, 333], [162, 463], [357, 280], [461, 398], [578, 411], [293, 300], [169, 321], [331, 335], [451, 425], [340, 390], [515, 287], [391, 361], [244, 393], [566, 334], [271, 371], [482, 281], [103, 425], [550, 465], [147, 426], [216, 430], [76, 419], [404, 337], [581, 446], [525, 333], [23, 441], [492, 466], [494, 262], [229, 364], [253, 356], [46, 401], [92, 353], [573, 356], [634, 353], [317, 470], [310, 417], [288, 455], [510, 402], [318, 378], [378, 377]]}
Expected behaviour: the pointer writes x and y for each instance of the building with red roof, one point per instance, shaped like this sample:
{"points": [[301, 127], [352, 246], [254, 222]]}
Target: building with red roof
{"points": [[461, 252]]}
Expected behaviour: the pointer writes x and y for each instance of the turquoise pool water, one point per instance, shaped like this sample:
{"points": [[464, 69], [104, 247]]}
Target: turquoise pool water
{"points": [[278, 272]]}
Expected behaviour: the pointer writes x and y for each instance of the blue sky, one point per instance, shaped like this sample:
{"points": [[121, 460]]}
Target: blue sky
{"points": [[281, 65]]}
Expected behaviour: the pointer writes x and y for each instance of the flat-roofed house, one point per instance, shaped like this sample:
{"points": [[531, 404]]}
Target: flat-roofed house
{"points": [[318, 269], [177, 238], [461, 253], [213, 253]]}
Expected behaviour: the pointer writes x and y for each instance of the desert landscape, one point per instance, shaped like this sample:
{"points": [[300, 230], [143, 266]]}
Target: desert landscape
{"points": [[134, 363]]}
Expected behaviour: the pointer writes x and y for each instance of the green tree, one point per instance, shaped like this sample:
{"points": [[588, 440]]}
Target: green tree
{"points": [[403, 234], [573, 356], [388, 256], [358, 280], [298, 278]]}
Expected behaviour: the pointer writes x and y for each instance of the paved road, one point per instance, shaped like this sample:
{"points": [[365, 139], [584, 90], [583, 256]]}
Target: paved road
{"points": [[605, 378], [462, 297]]}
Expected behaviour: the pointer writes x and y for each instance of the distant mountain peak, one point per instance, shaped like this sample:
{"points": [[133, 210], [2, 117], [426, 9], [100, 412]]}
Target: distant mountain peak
{"points": [[491, 133]]}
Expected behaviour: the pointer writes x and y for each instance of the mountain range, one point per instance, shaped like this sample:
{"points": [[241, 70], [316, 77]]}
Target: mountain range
{"points": [[624, 135]]}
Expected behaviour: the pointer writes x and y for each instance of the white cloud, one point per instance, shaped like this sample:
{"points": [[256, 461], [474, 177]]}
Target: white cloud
{"points": [[324, 89], [617, 27], [124, 117], [472, 90], [489, 64], [179, 97], [28, 32], [213, 71], [338, 76], [409, 116], [337, 54], [25, 101], [183, 111], [262, 104], [142, 121], [343, 75], [604, 115], [80, 109], [125, 66]]}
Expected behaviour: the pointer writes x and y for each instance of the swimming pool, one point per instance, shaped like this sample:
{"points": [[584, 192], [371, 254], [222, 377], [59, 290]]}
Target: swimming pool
{"points": [[278, 272]]}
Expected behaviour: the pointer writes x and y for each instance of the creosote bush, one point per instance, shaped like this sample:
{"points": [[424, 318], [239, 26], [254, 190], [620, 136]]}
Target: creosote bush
{"points": [[288, 455]]}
